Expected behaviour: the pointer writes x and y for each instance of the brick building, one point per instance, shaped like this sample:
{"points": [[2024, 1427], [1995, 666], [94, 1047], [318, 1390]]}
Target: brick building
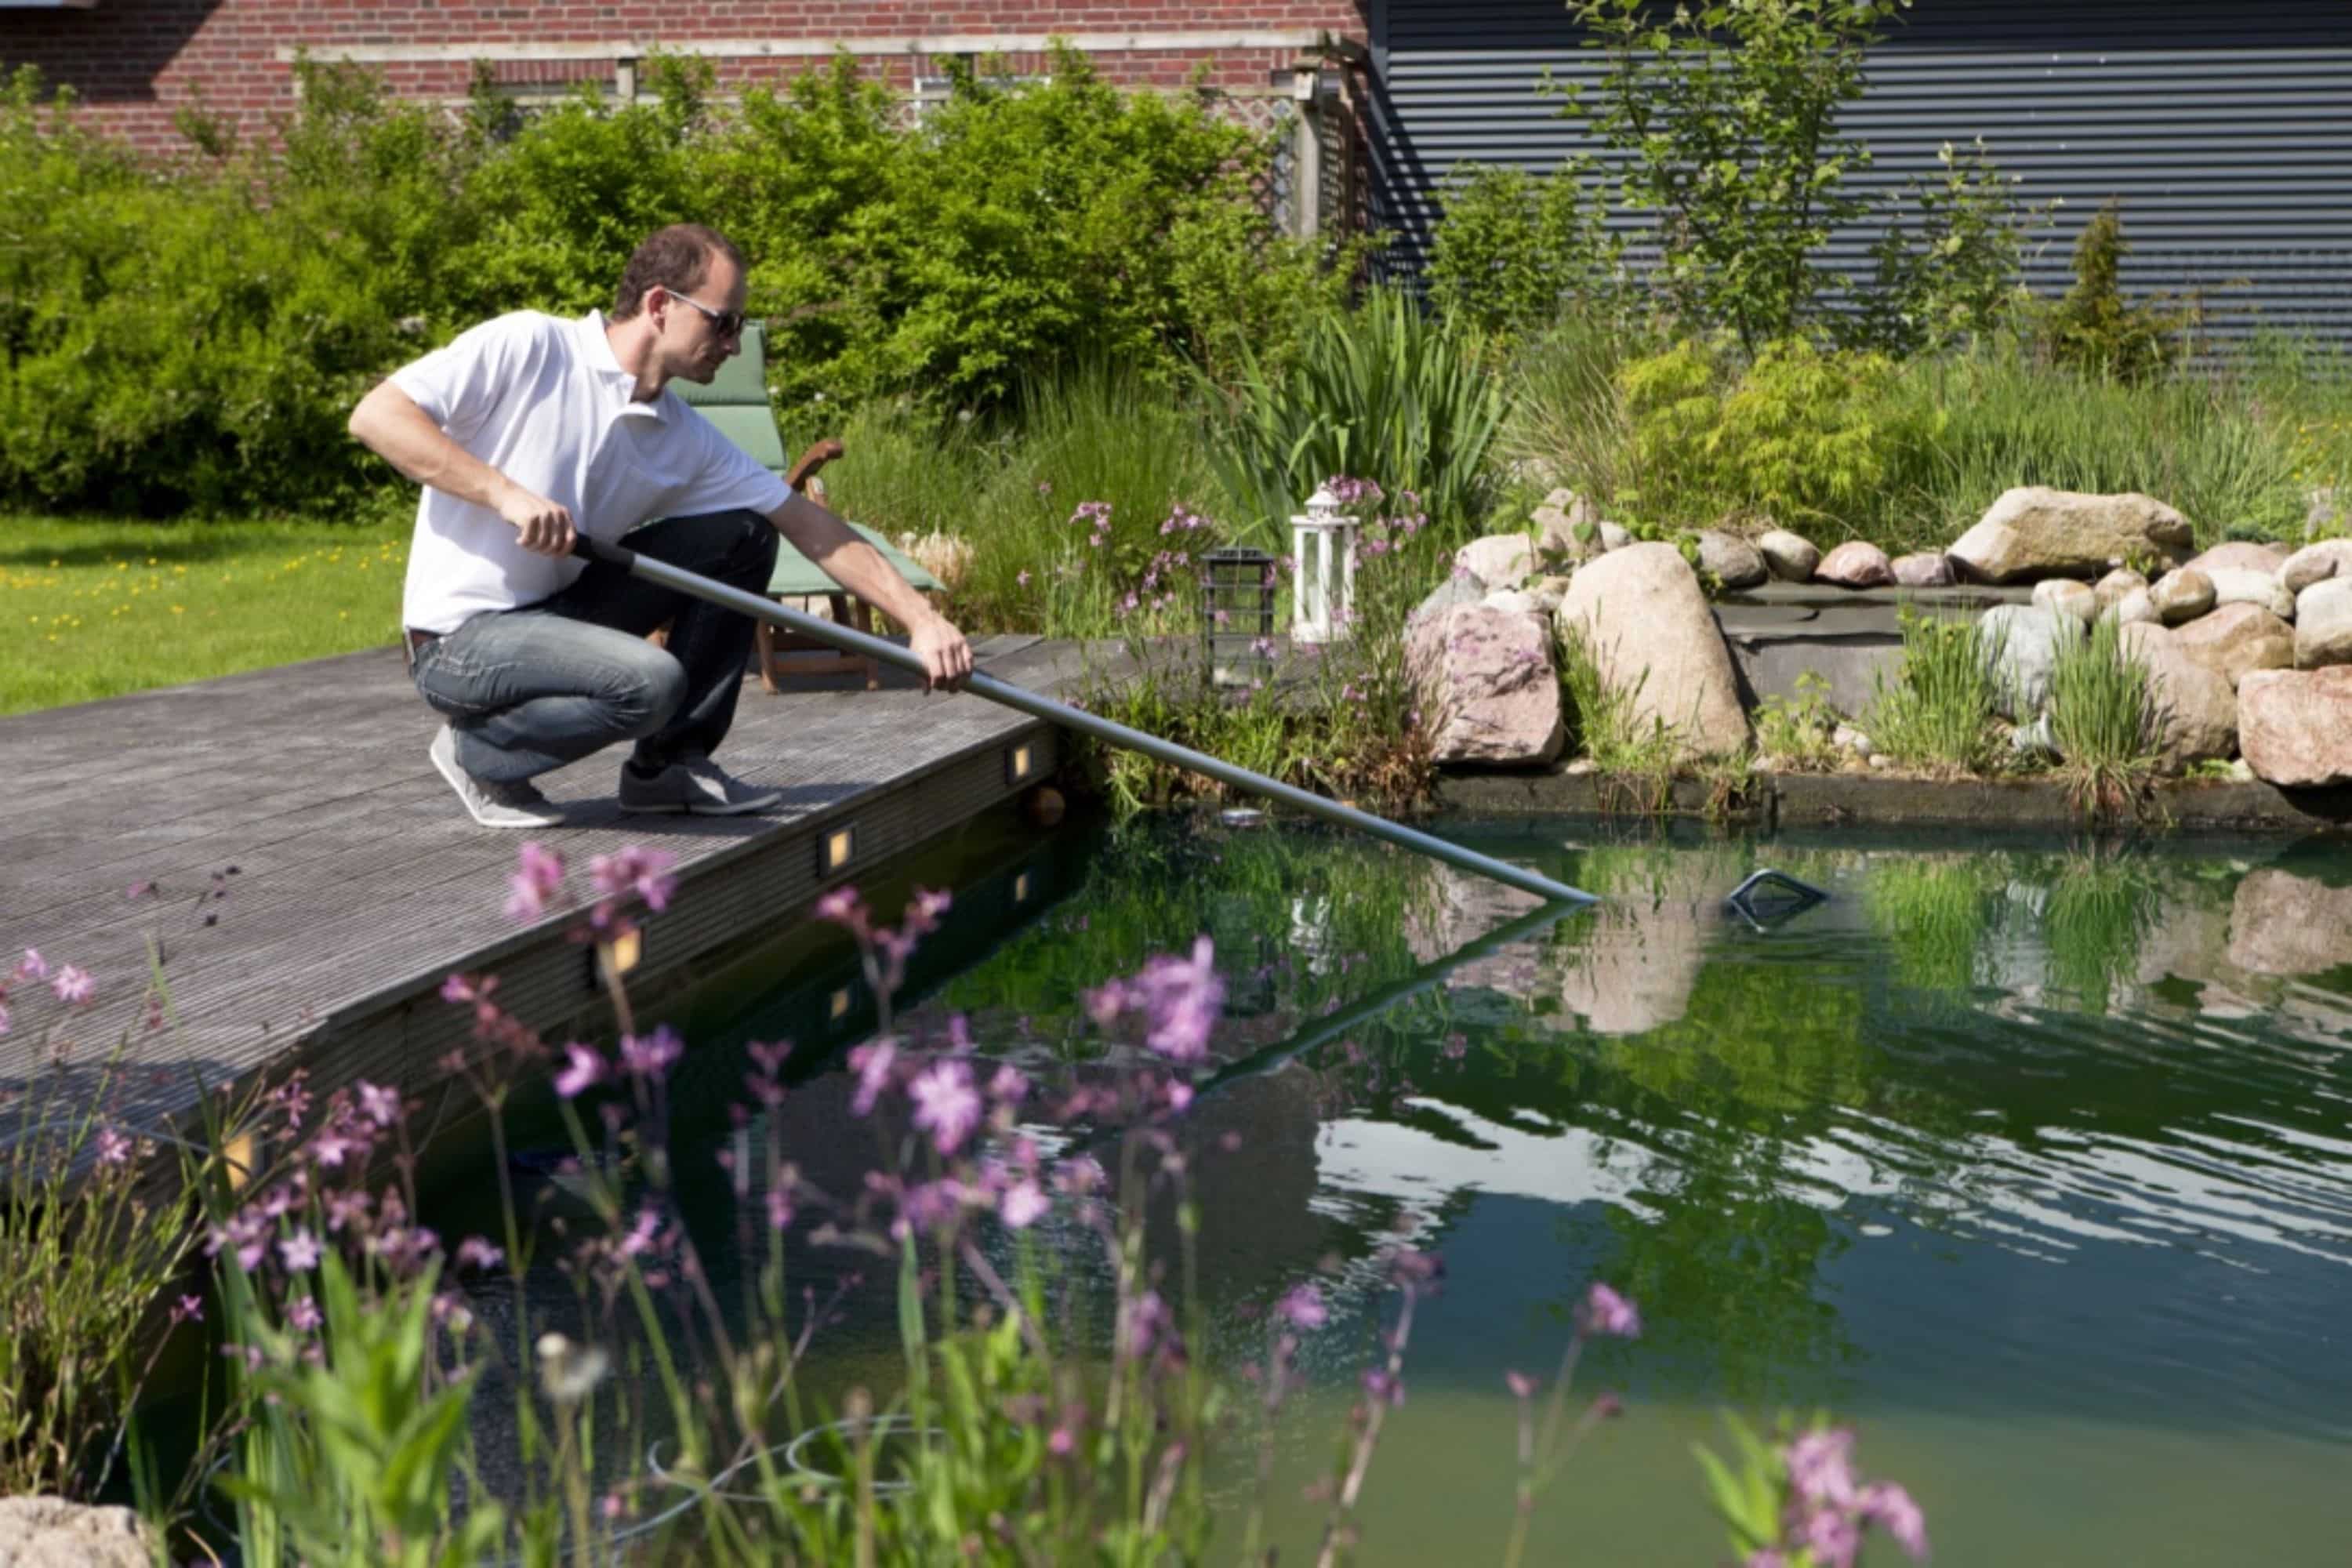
{"points": [[135, 62]]}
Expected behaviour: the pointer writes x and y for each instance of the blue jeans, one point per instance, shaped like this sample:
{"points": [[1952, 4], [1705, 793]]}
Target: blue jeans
{"points": [[530, 688]]}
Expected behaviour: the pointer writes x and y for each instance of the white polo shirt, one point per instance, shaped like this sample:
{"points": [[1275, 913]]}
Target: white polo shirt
{"points": [[543, 401]]}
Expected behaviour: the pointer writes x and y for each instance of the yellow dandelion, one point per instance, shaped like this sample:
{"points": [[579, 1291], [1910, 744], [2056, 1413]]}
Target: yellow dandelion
{"points": [[179, 609]]}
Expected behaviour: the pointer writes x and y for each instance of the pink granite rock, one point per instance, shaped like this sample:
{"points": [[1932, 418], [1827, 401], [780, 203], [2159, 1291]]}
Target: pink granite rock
{"points": [[1488, 689], [1855, 565], [2295, 726], [1927, 569]]}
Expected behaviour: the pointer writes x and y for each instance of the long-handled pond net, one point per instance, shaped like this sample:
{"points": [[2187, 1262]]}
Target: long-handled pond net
{"points": [[981, 684]]}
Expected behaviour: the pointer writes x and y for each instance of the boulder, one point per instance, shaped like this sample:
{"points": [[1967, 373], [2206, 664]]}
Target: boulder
{"points": [[2323, 624], [1733, 562], [2197, 713], [2295, 726], [2034, 532], [1855, 565], [2242, 555], [1926, 568], [1518, 602], [2068, 597], [1573, 505], [1790, 557], [1545, 592], [2181, 595], [1460, 588], [2117, 585], [2135, 608], [1614, 535], [2020, 644], [2237, 585], [1485, 677], [2316, 564], [2237, 638], [51, 1532], [1640, 612], [1497, 560]]}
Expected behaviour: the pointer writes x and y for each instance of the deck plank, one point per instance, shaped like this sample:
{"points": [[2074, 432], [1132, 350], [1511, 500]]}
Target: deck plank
{"points": [[359, 882]]}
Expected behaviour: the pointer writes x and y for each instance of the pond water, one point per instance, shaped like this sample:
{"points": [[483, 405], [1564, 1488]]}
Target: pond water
{"points": [[2031, 1160]]}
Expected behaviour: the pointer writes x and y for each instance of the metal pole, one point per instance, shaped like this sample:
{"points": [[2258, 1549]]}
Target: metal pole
{"points": [[851, 640]]}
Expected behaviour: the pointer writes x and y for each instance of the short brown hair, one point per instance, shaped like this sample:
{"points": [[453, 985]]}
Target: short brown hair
{"points": [[676, 258]]}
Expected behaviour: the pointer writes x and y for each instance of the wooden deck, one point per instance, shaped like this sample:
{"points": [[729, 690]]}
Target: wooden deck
{"points": [[352, 882]]}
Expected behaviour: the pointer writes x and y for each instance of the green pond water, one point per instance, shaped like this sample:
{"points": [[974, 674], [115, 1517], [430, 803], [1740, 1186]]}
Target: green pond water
{"points": [[2031, 1160]]}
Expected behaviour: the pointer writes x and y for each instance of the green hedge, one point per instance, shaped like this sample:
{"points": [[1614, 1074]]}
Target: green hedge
{"points": [[191, 334]]}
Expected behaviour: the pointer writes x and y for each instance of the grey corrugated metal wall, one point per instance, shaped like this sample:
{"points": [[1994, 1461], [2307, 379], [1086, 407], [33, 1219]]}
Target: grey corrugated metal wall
{"points": [[2226, 128]]}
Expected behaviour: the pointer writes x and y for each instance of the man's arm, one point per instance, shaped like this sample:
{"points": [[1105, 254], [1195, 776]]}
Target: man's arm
{"points": [[389, 423], [857, 566]]}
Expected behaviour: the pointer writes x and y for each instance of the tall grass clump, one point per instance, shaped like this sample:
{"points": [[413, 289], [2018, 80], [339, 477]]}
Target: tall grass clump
{"points": [[1634, 760], [1937, 714], [1387, 389], [2104, 720], [1567, 422]]}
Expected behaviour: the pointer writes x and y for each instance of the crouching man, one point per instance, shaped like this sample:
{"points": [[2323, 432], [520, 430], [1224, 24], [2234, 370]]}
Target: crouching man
{"points": [[530, 428]]}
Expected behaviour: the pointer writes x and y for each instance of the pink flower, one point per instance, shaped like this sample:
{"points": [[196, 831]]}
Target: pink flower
{"points": [[1384, 1386], [299, 1251], [583, 1067], [1024, 1205], [304, 1314], [71, 984], [1606, 1312], [1179, 997], [475, 1252], [651, 1056], [1062, 1443], [1021, 578], [872, 1062], [379, 1104], [947, 1104], [1081, 1175], [32, 966], [1522, 1385], [1890, 1508], [188, 1309], [1820, 1467], [779, 1207], [844, 907], [1008, 1086], [647, 873], [1303, 1308], [1831, 1535], [113, 1148], [537, 878]]}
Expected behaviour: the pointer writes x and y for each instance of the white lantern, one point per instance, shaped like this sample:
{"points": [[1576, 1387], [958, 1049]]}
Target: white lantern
{"points": [[1323, 570]]}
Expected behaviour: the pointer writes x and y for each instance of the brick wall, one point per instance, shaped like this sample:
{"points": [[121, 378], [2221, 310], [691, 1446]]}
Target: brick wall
{"points": [[134, 62]]}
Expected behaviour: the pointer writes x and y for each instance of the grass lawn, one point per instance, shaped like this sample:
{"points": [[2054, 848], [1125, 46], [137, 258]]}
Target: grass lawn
{"points": [[92, 608]]}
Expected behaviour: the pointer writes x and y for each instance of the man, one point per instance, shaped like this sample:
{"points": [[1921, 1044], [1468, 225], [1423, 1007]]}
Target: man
{"points": [[529, 427]]}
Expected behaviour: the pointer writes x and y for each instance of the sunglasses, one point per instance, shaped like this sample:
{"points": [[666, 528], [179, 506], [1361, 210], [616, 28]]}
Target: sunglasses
{"points": [[726, 323]]}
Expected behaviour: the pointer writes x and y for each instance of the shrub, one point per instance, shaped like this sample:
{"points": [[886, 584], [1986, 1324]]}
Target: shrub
{"points": [[1953, 271], [2094, 328], [1799, 435], [1797, 732], [1515, 253], [1938, 713]]}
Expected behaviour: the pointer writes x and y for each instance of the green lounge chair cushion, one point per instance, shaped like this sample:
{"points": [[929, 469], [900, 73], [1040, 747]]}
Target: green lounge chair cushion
{"points": [[736, 401]]}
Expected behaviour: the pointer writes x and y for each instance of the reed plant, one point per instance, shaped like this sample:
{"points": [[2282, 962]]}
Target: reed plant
{"points": [[1387, 389], [2104, 720], [1938, 714]]}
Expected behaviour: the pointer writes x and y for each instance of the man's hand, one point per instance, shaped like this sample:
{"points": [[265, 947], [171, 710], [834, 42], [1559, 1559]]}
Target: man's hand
{"points": [[947, 657], [545, 527]]}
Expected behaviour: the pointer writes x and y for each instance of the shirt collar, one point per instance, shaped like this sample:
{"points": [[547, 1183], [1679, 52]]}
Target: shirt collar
{"points": [[597, 350]]}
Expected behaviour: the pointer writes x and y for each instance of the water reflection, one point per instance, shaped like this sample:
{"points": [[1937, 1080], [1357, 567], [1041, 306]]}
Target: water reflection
{"points": [[1997, 1143]]}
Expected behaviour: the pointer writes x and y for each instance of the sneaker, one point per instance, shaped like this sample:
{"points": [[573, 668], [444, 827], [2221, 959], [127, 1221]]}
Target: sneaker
{"points": [[694, 785], [492, 804]]}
